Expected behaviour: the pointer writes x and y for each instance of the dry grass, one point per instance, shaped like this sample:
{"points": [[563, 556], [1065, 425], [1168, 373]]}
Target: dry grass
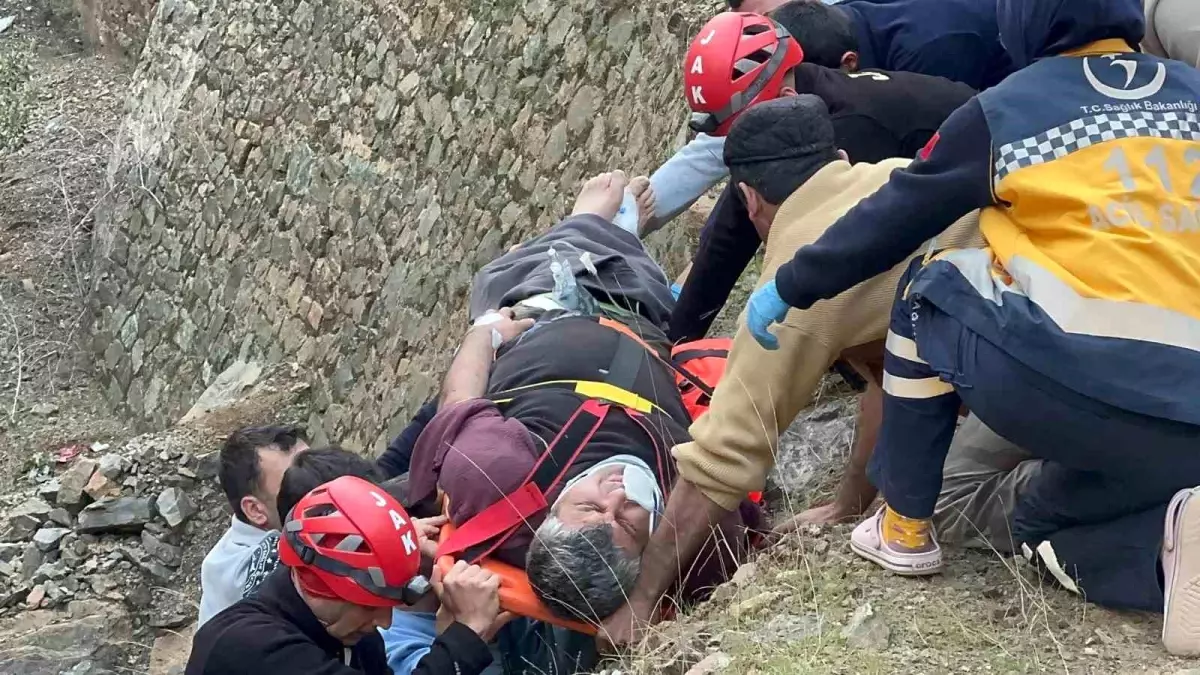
{"points": [[985, 614]]}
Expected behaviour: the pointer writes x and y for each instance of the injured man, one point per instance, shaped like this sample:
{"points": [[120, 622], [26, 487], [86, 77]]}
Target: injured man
{"points": [[551, 445]]}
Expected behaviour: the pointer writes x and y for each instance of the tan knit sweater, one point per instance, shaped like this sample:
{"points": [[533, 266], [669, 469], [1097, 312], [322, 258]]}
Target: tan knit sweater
{"points": [[734, 444]]}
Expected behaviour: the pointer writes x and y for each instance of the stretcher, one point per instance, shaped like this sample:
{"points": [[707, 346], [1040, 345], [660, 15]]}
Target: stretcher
{"points": [[697, 366]]}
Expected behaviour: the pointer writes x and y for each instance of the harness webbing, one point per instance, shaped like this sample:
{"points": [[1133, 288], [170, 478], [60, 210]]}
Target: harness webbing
{"points": [[500, 521], [482, 534]]}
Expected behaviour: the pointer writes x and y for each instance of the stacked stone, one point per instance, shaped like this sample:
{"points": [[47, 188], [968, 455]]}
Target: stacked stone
{"points": [[316, 181]]}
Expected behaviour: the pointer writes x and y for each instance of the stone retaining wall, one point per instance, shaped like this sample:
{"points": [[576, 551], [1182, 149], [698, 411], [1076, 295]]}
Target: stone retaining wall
{"points": [[316, 181]]}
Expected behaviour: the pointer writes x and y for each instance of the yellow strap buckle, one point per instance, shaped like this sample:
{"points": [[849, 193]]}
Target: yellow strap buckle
{"points": [[612, 394]]}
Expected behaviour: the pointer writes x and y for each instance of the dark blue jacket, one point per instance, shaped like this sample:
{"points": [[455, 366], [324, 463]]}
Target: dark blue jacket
{"points": [[1044, 156], [955, 39]]}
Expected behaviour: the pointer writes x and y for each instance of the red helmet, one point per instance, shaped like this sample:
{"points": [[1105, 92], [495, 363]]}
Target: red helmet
{"points": [[350, 540], [737, 60]]}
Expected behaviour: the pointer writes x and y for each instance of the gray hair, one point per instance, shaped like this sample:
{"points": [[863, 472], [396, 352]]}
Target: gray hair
{"points": [[580, 574]]}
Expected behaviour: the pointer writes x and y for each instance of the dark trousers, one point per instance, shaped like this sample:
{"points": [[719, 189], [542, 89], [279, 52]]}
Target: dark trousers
{"points": [[728, 244], [1109, 463], [1114, 563]]}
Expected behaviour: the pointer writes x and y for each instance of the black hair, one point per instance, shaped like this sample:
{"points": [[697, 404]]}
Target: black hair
{"points": [[823, 31], [735, 4], [239, 469], [776, 146], [316, 467], [770, 179]]}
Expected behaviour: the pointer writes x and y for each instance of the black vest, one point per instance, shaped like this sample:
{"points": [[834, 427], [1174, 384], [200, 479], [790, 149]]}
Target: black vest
{"points": [[579, 348]]}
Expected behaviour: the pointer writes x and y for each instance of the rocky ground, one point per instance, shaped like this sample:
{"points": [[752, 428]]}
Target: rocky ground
{"points": [[811, 606], [102, 543]]}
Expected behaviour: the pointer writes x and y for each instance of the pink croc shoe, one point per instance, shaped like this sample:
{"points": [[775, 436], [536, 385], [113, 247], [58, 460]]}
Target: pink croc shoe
{"points": [[867, 541], [1181, 575]]}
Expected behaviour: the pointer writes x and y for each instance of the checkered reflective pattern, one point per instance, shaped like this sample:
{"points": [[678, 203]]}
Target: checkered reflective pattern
{"points": [[1081, 133]]}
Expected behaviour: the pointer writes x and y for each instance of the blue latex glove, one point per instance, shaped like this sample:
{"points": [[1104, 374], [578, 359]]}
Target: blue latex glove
{"points": [[765, 308], [676, 289]]}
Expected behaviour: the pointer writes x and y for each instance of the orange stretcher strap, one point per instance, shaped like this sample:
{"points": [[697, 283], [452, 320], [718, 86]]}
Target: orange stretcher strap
{"points": [[675, 367], [516, 594]]}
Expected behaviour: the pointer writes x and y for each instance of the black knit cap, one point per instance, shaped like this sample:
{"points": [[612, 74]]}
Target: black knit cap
{"points": [[794, 131]]}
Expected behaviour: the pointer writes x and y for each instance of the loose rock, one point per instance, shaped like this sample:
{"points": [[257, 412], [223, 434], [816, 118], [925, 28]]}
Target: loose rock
{"points": [[755, 604], [25, 519], [116, 515], [10, 551], [713, 663], [101, 487], [31, 560], [72, 549], [44, 409], [175, 506], [61, 516], [47, 538], [865, 630], [49, 490], [170, 653], [17, 594], [73, 481], [35, 597], [166, 553], [113, 466], [169, 610], [50, 571], [745, 574], [207, 466]]}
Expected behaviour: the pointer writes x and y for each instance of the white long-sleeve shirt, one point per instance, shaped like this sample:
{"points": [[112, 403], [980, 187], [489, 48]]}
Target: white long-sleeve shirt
{"points": [[223, 572]]}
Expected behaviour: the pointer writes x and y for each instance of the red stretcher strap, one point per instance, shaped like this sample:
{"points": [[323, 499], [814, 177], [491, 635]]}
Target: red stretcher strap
{"points": [[487, 530], [498, 519]]}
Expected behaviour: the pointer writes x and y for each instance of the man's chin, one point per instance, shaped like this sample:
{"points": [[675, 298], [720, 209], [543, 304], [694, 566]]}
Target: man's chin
{"points": [[352, 639]]}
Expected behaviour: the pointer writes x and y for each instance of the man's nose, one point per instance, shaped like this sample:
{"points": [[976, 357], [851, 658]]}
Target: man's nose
{"points": [[614, 500]]}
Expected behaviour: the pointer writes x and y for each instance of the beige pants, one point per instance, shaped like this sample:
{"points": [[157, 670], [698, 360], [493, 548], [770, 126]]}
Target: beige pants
{"points": [[981, 479], [1173, 30]]}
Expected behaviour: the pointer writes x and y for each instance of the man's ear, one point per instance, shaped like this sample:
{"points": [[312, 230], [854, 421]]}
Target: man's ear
{"points": [[752, 200], [850, 62], [255, 511]]}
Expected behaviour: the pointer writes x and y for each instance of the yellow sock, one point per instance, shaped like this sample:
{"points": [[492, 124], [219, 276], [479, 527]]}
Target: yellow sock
{"points": [[911, 533]]}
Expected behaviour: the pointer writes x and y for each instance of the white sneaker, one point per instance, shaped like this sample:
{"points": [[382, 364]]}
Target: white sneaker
{"points": [[1181, 575], [867, 541]]}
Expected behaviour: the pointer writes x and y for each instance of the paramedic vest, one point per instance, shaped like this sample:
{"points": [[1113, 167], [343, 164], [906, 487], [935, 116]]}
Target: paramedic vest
{"points": [[1094, 274]]}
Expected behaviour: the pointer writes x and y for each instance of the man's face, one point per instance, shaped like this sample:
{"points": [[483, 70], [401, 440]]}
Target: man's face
{"points": [[600, 499], [760, 6], [260, 507], [348, 622]]}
